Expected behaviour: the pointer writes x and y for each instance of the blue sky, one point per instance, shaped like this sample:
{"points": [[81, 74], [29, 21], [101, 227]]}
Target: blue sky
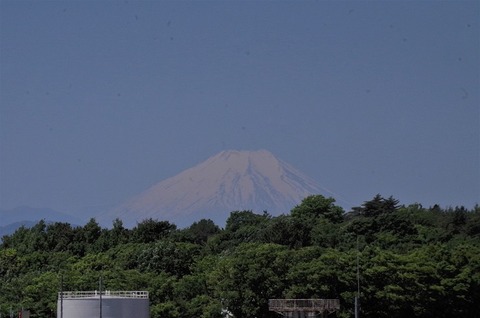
{"points": [[101, 99]]}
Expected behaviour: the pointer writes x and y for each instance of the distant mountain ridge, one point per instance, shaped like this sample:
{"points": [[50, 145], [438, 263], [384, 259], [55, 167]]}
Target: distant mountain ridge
{"points": [[231, 180], [12, 227], [12, 219], [25, 213]]}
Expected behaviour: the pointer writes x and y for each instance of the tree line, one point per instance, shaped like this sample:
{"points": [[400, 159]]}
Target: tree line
{"points": [[413, 261]]}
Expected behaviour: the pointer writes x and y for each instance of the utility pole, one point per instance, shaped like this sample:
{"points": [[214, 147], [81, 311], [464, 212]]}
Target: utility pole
{"points": [[357, 298]]}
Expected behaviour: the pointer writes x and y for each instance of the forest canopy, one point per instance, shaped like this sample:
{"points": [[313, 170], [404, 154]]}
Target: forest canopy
{"points": [[413, 261]]}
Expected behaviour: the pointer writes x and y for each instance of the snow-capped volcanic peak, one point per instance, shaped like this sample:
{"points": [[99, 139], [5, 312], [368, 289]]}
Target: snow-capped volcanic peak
{"points": [[229, 181]]}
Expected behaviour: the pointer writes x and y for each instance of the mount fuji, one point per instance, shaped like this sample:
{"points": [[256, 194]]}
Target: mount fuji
{"points": [[229, 181]]}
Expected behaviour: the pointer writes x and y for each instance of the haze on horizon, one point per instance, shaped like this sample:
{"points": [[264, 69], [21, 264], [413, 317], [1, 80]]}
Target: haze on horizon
{"points": [[100, 100]]}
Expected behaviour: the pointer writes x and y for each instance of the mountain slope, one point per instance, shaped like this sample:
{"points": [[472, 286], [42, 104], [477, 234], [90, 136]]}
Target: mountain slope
{"points": [[228, 181]]}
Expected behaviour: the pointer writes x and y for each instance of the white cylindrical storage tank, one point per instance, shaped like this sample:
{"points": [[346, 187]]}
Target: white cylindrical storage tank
{"points": [[124, 304]]}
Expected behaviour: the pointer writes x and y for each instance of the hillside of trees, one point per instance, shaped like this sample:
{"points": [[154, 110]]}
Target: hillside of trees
{"points": [[414, 261]]}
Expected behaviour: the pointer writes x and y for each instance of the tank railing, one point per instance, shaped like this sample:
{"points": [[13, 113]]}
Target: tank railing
{"points": [[305, 305], [105, 293]]}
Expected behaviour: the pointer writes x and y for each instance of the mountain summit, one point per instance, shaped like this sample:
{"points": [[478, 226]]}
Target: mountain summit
{"points": [[229, 181]]}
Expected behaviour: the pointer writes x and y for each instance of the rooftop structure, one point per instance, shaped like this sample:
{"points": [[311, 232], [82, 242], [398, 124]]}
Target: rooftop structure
{"points": [[304, 307]]}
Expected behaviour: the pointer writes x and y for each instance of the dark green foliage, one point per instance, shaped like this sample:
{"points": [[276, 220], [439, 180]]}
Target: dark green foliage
{"points": [[199, 232], [175, 258], [286, 230], [377, 206], [252, 274], [317, 207], [414, 261], [151, 230]]}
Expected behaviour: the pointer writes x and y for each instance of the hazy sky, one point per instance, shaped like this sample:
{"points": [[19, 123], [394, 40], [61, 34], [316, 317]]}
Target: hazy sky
{"points": [[101, 99]]}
